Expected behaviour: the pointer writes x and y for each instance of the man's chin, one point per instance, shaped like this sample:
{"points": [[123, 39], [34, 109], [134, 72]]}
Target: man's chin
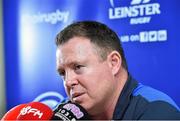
{"points": [[86, 106], [83, 101]]}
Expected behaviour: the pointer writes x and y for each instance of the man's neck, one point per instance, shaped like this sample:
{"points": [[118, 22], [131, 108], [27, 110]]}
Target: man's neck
{"points": [[108, 112]]}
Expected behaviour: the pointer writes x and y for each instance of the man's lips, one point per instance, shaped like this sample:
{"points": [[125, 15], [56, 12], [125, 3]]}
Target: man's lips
{"points": [[75, 95]]}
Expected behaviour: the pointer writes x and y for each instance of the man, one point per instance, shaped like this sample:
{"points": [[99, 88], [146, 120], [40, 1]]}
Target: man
{"points": [[91, 61]]}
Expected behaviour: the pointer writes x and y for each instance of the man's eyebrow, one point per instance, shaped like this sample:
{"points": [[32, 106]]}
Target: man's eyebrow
{"points": [[69, 64], [59, 69]]}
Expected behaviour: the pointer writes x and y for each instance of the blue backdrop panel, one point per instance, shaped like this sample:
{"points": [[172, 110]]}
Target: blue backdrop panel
{"points": [[148, 30]]}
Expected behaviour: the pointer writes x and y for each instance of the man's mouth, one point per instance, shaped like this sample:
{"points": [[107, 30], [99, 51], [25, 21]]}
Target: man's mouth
{"points": [[76, 96]]}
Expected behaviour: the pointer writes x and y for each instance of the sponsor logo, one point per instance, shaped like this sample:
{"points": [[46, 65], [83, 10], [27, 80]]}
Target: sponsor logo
{"points": [[139, 11], [52, 17], [74, 109], [29, 109]]}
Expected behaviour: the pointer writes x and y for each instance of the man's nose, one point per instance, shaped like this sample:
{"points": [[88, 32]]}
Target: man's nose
{"points": [[70, 79]]}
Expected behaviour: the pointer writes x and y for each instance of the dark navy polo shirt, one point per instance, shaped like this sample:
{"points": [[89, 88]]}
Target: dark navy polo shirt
{"points": [[140, 102]]}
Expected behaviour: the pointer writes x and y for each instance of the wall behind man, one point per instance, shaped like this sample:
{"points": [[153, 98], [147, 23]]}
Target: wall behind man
{"points": [[2, 84], [151, 46]]}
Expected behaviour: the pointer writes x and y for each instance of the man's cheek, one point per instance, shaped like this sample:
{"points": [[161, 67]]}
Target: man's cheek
{"points": [[67, 91]]}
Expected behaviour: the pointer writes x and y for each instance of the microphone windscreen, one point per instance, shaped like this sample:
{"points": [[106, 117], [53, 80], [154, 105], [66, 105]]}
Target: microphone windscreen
{"points": [[13, 113], [70, 112], [35, 111]]}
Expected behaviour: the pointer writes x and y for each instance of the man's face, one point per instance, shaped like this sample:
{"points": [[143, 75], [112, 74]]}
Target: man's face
{"points": [[88, 80]]}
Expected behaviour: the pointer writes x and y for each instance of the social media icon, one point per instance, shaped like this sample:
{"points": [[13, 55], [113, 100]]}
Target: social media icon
{"points": [[162, 35], [152, 36], [143, 36]]}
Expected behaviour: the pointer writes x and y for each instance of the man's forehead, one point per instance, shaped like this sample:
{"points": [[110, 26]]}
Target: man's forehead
{"points": [[74, 52], [80, 49], [69, 58]]}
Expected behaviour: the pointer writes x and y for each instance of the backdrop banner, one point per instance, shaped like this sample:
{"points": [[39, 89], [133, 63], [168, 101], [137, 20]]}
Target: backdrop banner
{"points": [[148, 30]]}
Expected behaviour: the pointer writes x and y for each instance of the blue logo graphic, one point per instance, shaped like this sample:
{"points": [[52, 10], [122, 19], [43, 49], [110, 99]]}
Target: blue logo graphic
{"points": [[52, 99], [133, 2], [111, 2], [137, 11]]}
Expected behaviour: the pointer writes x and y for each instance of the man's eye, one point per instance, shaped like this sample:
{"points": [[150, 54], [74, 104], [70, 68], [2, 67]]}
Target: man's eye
{"points": [[61, 73], [77, 67]]}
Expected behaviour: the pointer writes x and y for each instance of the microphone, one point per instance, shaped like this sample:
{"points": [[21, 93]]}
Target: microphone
{"points": [[35, 111], [70, 112], [38, 111], [13, 113]]}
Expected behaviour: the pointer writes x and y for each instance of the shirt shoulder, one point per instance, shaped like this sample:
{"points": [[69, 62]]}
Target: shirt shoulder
{"points": [[151, 95], [149, 103]]}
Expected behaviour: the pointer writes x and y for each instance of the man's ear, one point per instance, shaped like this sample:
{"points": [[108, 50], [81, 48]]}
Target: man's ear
{"points": [[114, 60]]}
